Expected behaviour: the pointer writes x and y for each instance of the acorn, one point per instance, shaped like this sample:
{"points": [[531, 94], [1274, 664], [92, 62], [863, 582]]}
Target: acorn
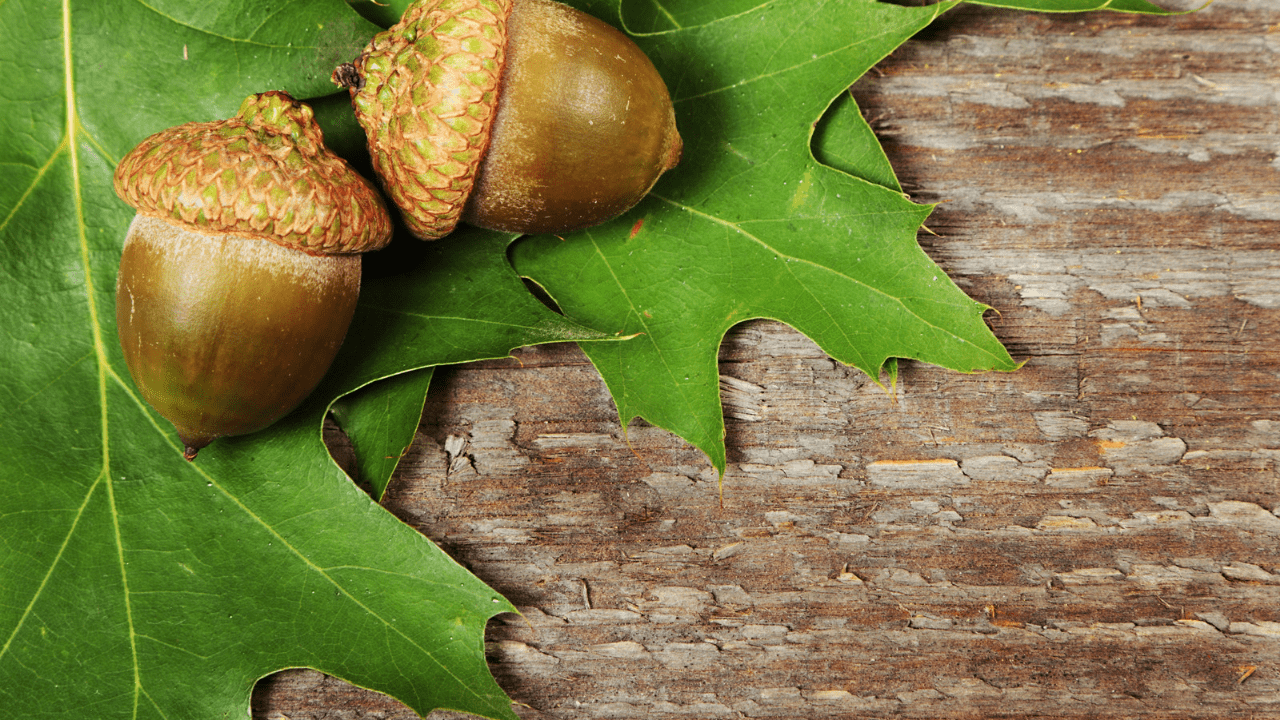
{"points": [[523, 116], [240, 271]]}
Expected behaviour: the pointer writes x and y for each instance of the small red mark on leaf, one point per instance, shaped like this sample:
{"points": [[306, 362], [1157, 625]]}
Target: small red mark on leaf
{"points": [[635, 229]]}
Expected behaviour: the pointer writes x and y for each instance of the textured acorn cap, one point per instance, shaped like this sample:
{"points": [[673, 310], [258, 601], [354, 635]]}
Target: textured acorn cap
{"points": [[264, 173], [445, 56]]}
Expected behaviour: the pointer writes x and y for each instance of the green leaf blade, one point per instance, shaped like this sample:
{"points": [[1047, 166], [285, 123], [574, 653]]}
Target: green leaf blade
{"points": [[873, 296], [381, 421], [845, 141], [751, 226], [133, 583], [147, 587], [198, 60]]}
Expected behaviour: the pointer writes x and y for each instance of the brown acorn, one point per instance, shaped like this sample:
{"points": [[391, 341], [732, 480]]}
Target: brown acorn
{"points": [[516, 115], [240, 272]]}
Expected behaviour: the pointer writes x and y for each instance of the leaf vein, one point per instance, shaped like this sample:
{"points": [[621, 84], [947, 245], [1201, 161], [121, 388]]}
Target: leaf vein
{"points": [[57, 559], [862, 40], [647, 333], [35, 182], [667, 14], [204, 31], [74, 130], [805, 261], [426, 652]]}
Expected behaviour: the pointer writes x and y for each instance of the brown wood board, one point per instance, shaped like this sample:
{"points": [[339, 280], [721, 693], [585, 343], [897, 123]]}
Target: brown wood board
{"points": [[1094, 535]]}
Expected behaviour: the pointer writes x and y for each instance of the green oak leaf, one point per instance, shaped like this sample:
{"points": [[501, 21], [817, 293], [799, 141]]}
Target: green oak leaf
{"points": [[753, 225], [132, 583]]}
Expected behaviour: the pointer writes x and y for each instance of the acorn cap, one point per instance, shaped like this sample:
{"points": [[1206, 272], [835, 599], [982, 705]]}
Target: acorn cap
{"points": [[264, 173], [445, 56]]}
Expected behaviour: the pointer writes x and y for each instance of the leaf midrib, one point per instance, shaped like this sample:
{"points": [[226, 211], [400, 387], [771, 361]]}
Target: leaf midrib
{"points": [[72, 125], [69, 145]]}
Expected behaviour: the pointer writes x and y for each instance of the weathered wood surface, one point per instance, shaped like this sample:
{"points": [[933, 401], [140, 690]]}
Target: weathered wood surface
{"points": [[1093, 536]]}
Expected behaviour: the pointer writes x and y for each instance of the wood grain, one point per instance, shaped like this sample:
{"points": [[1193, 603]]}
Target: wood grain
{"points": [[1095, 535]]}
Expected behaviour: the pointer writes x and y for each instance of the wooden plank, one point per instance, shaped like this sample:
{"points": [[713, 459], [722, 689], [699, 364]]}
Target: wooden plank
{"points": [[1095, 535]]}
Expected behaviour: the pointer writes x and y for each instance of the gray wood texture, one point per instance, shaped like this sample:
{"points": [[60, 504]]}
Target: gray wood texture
{"points": [[1093, 536]]}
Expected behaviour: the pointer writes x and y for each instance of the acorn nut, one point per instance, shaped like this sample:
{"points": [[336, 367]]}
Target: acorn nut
{"points": [[240, 272], [516, 115]]}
